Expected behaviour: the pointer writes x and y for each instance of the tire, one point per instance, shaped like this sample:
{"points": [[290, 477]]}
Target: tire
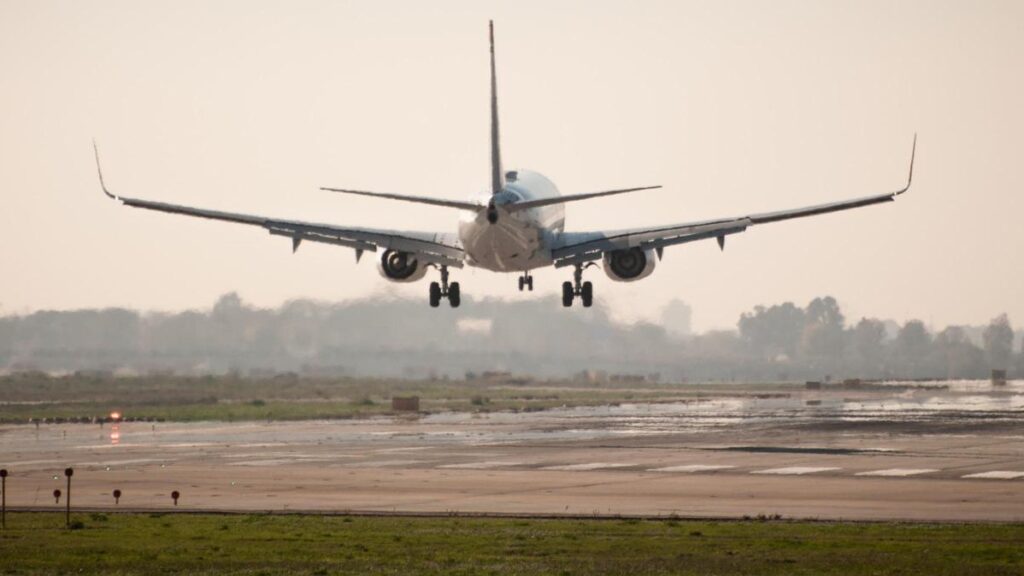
{"points": [[587, 294], [529, 283], [454, 295], [521, 282], [567, 294], [435, 294]]}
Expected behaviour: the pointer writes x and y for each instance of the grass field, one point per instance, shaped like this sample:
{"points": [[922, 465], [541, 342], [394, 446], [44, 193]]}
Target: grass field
{"points": [[37, 543], [228, 398]]}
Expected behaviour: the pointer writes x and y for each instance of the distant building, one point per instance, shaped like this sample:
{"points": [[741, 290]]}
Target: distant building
{"points": [[677, 318]]}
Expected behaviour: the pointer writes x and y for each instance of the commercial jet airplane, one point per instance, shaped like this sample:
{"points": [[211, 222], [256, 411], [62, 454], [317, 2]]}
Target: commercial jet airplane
{"points": [[516, 226]]}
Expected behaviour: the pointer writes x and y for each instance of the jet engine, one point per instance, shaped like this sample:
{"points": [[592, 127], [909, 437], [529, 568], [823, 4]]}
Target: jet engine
{"points": [[400, 266], [629, 264]]}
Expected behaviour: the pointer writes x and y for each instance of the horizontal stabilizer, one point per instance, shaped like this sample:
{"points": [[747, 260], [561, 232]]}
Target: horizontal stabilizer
{"points": [[571, 198], [416, 199]]}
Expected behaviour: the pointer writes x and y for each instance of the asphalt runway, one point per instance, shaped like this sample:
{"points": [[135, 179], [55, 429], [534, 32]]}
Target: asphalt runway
{"points": [[904, 454]]}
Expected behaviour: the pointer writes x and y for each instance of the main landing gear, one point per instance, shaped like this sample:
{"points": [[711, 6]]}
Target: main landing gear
{"points": [[526, 281], [444, 290], [585, 290]]}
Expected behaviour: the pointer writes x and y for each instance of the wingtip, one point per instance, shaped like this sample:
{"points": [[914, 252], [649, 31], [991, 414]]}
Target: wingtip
{"points": [[99, 171]]}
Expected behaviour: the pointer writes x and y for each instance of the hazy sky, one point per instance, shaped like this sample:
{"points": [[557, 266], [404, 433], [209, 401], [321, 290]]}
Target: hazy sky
{"points": [[733, 106]]}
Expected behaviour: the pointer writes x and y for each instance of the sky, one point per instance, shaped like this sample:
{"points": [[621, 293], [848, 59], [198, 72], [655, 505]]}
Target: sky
{"points": [[733, 106]]}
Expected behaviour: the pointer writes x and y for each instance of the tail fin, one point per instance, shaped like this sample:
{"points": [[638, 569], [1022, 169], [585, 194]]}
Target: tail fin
{"points": [[497, 175]]}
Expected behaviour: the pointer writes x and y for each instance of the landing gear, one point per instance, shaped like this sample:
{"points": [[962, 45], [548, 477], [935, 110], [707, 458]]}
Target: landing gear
{"points": [[445, 290], [585, 290], [587, 294], [435, 295], [526, 281]]}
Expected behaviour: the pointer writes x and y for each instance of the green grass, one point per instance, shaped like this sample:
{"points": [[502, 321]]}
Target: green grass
{"points": [[36, 543], [229, 398]]}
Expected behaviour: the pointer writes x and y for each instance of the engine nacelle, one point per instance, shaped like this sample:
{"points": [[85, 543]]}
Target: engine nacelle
{"points": [[629, 265], [400, 266]]}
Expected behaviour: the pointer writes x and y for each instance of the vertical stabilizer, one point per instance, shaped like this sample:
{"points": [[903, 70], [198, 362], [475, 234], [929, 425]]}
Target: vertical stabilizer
{"points": [[497, 175]]}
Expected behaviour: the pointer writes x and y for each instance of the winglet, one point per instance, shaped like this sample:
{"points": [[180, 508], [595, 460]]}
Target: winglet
{"points": [[99, 170], [497, 175], [910, 175]]}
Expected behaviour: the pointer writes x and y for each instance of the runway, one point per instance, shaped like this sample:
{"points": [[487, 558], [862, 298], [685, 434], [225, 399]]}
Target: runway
{"points": [[909, 454]]}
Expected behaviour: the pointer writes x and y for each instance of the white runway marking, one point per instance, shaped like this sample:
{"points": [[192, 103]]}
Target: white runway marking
{"points": [[124, 462], [692, 468], [796, 470], [31, 463], [384, 463], [997, 475], [897, 472], [480, 465], [267, 462], [280, 461], [585, 467]]}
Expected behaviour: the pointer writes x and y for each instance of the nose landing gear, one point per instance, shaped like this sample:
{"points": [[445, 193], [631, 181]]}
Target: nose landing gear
{"points": [[445, 290], [585, 290]]}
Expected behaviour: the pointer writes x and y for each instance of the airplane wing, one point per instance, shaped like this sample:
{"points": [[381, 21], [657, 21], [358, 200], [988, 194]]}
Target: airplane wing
{"points": [[434, 248], [578, 247]]}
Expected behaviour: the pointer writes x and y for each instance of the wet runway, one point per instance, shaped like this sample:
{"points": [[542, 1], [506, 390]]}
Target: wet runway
{"points": [[912, 453]]}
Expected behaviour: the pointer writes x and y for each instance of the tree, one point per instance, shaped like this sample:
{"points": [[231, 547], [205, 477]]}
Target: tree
{"points": [[823, 333], [960, 357], [770, 332], [912, 346], [1020, 361], [868, 339], [998, 339]]}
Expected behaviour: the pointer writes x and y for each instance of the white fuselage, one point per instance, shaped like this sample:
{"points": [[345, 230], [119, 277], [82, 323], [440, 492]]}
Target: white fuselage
{"points": [[517, 241]]}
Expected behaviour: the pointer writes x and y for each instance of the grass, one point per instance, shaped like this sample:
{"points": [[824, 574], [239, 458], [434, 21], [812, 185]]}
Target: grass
{"points": [[289, 397], [36, 543]]}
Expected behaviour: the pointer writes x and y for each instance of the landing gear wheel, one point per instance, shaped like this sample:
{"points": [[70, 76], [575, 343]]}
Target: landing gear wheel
{"points": [[567, 294], [454, 295], [526, 281], [587, 294], [435, 294]]}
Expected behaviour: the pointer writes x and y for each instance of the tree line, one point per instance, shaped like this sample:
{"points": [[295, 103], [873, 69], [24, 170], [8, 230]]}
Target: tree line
{"points": [[535, 337], [819, 336]]}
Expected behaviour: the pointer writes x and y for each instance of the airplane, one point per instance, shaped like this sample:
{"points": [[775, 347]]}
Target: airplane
{"points": [[518, 225]]}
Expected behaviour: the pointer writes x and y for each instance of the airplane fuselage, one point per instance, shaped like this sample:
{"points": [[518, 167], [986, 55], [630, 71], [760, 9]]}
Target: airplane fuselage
{"points": [[515, 241]]}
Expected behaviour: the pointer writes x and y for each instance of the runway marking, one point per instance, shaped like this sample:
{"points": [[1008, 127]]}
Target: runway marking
{"points": [[796, 470], [125, 462], [268, 462], [32, 463], [897, 472], [585, 467], [480, 465], [692, 468], [997, 475], [384, 463], [280, 461]]}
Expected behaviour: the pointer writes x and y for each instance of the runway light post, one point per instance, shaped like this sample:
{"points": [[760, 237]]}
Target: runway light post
{"points": [[117, 496], [68, 472], [56, 496], [3, 498], [175, 495]]}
